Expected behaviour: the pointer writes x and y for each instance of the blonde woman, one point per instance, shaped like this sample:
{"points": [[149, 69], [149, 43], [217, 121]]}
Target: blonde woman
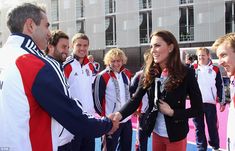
{"points": [[111, 92]]}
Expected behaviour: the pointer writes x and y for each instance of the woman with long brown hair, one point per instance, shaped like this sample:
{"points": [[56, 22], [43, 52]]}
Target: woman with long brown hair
{"points": [[168, 82]]}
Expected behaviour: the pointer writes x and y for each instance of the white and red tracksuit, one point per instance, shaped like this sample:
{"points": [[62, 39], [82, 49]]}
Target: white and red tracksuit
{"points": [[106, 95], [80, 78], [35, 102], [213, 88], [111, 92]]}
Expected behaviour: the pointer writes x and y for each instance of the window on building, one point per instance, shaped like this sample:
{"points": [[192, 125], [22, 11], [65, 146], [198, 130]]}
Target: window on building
{"points": [[145, 26], [79, 8], [229, 16], [186, 1], [186, 23], [54, 10], [143, 4], [110, 6], [80, 26], [110, 30], [54, 26]]}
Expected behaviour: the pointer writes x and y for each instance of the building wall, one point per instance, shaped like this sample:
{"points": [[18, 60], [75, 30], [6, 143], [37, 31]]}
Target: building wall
{"points": [[67, 18], [127, 17], [209, 19], [209, 23], [95, 23], [166, 15]]}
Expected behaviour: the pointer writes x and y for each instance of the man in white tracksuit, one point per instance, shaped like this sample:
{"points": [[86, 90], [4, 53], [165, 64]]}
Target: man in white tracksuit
{"points": [[35, 104], [225, 51], [212, 89], [79, 72]]}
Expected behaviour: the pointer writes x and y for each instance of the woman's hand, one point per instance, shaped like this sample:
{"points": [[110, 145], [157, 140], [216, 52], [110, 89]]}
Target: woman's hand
{"points": [[165, 108]]}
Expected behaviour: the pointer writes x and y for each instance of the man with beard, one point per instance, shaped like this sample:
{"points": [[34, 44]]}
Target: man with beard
{"points": [[58, 49], [58, 46]]}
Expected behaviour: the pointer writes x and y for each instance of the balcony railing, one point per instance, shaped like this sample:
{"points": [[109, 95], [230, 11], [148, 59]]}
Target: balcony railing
{"points": [[144, 5], [186, 1], [110, 42], [187, 37], [144, 40]]}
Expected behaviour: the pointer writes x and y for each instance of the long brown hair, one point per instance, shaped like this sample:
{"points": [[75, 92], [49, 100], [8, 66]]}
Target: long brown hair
{"points": [[176, 69]]}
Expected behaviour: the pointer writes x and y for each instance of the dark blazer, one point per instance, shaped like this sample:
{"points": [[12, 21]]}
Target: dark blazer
{"points": [[177, 125]]}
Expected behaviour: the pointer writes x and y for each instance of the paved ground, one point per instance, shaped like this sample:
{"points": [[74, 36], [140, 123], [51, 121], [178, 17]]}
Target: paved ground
{"points": [[190, 145], [222, 117]]}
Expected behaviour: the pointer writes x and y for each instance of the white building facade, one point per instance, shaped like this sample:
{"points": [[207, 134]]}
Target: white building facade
{"points": [[127, 24]]}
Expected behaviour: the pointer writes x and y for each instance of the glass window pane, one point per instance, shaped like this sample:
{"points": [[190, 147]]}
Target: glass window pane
{"points": [[143, 4], [110, 6], [182, 1], [190, 16], [109, 31], [150, 3], [143, 28], [186, 23], [80, 27], [54, 26], [182, 21], [228, 17], [150, 25]]}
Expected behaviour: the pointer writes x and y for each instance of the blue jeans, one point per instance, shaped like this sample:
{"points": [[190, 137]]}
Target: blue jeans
{"points": [[209, 111]]}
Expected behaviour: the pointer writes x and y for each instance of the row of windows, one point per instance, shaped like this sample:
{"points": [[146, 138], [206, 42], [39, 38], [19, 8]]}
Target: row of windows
{"points": [[186, 20]]}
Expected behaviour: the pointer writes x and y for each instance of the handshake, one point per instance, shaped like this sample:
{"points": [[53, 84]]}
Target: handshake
{"points": [[115, 117]]}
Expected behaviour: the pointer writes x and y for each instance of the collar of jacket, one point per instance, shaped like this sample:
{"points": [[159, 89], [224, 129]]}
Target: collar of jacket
{"points": [[85, 59]]}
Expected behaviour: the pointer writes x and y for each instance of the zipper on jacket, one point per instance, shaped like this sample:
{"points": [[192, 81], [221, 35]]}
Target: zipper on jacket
{"points": [[213, 94], [114, 107], [61, 132]]}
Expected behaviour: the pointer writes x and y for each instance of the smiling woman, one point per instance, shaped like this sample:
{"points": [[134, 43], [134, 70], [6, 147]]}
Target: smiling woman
{"points": [[165, 75]]}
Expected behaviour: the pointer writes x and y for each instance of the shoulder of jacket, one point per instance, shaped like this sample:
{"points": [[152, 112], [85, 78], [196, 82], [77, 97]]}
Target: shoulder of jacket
{"points": [[215, 68], [69, 60], [195, 66]]}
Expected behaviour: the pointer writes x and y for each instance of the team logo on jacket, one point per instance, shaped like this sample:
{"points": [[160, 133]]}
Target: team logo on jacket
{"points": [[210, 71], [87, 72]]}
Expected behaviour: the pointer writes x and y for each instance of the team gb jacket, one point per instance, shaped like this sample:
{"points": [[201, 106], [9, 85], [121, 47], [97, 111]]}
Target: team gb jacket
{"points": [[34, 99], [80, 78]]}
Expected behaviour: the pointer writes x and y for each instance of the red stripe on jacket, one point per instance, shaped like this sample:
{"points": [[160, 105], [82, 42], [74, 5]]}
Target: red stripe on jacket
{"points": [[40, 135]]}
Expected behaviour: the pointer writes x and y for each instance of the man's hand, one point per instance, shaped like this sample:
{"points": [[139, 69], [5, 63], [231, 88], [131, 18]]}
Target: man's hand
{"points": [[115, 121]]}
